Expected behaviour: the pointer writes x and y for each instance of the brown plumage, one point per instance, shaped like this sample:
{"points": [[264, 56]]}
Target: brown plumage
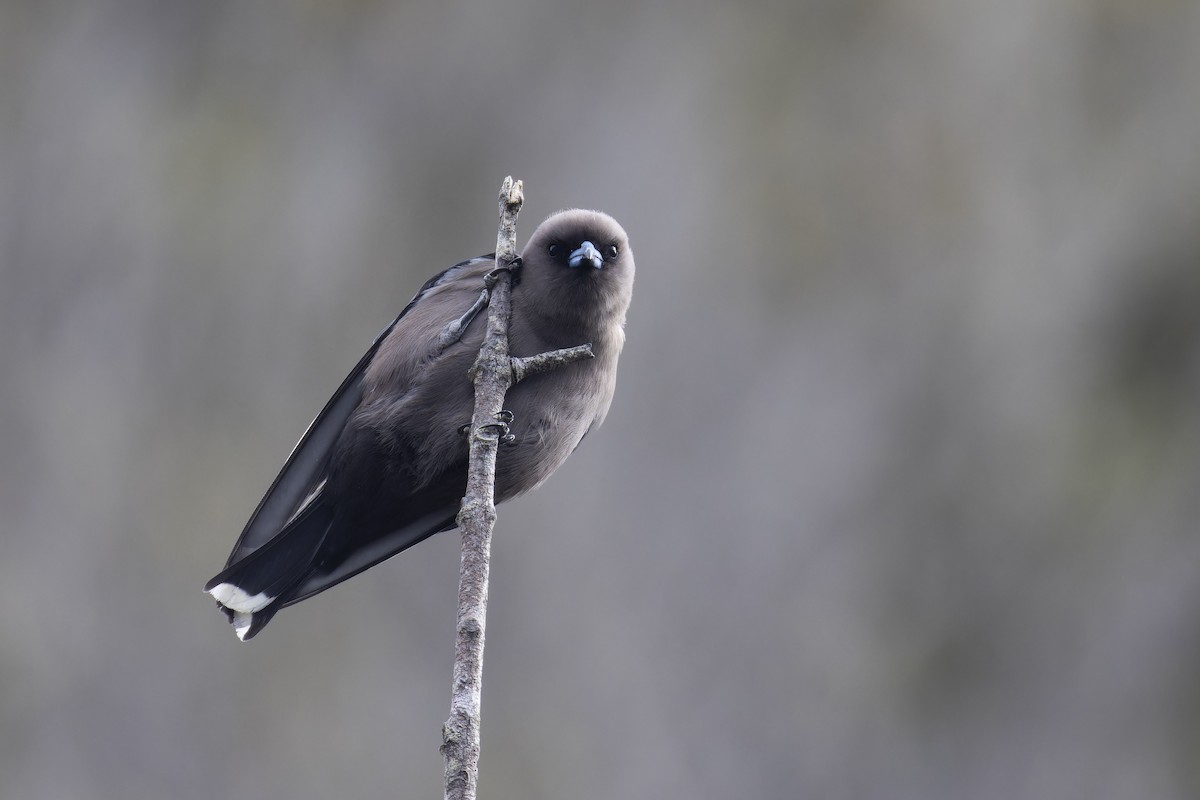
{"points": [[384, 465]]}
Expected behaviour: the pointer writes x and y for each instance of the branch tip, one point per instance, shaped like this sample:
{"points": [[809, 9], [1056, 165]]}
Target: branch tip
{"points": [[523, 368]]}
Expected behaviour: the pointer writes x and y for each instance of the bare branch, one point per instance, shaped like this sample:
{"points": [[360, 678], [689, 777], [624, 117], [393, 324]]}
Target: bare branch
{"points": [[492, 376], [493, 373]]}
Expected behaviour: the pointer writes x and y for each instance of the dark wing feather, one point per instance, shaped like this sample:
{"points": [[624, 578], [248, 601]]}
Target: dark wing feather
{"points": [[301, 473], [378, 550]]}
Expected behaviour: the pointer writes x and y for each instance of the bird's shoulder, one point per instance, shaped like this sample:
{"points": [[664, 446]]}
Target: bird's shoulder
{"points": [[466, 274], [412, 338]]}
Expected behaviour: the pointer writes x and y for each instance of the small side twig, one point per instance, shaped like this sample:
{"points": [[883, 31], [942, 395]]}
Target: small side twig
{"points": [[522, 368]]}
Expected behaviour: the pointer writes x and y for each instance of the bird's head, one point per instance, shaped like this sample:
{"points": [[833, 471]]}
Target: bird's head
{"points": [[580, 262], [576, 239]]}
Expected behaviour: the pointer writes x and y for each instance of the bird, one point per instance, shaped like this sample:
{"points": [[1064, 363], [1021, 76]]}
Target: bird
{"points": [[384, 464]]}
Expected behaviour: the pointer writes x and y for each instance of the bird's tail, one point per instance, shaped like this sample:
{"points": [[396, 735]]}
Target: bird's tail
{"points": [[250, 591]]}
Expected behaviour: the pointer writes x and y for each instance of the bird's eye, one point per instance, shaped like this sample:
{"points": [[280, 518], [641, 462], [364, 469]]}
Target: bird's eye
{"points": [[553, 250], [612, 251]]}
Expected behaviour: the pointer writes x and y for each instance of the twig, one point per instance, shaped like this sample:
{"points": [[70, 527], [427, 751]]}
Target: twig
{"points": [[460, 734], [494, 372], [522, 368]]}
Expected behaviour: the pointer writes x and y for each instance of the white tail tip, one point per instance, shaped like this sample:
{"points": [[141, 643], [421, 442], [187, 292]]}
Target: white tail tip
{"points": [[238, 601]]}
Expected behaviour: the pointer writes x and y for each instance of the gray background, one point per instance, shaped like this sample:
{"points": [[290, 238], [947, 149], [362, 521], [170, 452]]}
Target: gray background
{"points": [[899, 494]]}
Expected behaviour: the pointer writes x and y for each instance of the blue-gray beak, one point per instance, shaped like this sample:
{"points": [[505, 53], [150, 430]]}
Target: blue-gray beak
{"points": [[587, 253]]}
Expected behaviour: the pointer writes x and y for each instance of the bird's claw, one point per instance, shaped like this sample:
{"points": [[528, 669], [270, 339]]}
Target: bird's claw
{"points": [[512, 267], [501, 429], [503, 418], [500, 426]]}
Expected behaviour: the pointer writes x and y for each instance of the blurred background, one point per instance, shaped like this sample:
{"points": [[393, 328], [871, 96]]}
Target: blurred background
{"points": [[899, 494]]}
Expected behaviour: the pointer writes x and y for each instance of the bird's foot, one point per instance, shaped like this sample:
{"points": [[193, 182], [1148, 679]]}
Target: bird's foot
{"points": [[503, 418], [512, 267], [454, 330], [500, 426]]}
